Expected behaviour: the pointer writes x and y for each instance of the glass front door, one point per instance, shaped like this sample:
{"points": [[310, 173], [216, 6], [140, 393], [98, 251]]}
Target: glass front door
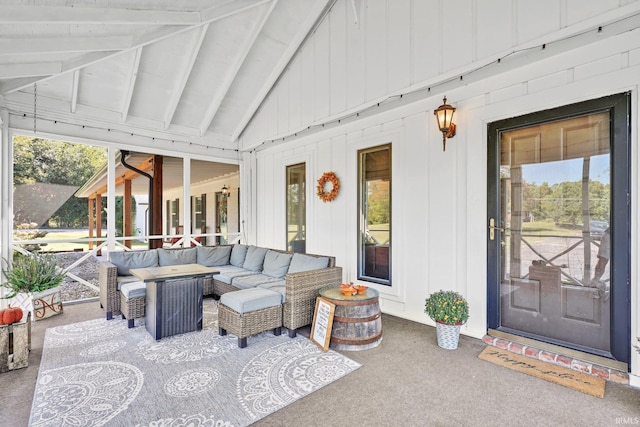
{"points": [[551, 231]]}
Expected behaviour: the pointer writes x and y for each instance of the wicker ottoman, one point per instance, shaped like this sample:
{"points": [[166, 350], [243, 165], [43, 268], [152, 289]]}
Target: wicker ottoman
{"points": [[249, 312], [132, 301]]}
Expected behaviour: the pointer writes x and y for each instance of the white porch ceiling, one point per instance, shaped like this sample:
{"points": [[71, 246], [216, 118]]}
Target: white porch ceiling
{"points": [[187, 70]]}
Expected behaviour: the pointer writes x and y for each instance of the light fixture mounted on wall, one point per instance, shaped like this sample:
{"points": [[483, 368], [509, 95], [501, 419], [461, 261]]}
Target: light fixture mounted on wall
{"points": [[444, 116], [225, 191]]}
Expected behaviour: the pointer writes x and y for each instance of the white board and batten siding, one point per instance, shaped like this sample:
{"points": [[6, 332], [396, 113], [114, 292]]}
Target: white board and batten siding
{"points": [[439, 198]]}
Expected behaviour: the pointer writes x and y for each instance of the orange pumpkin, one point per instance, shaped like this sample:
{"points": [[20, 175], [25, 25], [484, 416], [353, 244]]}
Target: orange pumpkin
{"points": [[10, 315]]}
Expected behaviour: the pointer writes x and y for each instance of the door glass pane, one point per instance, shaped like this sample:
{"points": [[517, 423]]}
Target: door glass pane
{"points": [[555, 209], [296, 208], [374, 254]]}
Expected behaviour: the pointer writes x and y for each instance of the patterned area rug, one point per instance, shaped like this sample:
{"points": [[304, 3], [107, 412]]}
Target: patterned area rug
{"points": [[100, 372]]}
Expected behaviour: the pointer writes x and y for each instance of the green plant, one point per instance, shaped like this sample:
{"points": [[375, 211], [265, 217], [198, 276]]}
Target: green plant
{"points": [[32, 273], [447, 307]]}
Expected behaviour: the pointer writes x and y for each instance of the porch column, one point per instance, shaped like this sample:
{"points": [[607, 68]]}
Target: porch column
{"points": [[126, 212], [99, 219], [111, 198], [186, 206], [6, 188], [90, 201], [155, 223]]}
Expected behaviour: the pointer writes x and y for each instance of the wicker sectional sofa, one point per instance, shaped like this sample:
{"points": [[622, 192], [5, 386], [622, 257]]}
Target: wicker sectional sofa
{"points": [[298, 277]]}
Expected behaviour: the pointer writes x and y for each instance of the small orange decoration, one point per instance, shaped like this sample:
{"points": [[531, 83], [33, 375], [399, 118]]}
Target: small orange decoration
{"points": [[10, 315], [335, 187]]}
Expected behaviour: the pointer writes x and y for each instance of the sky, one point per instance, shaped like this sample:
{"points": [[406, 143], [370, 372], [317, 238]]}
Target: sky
{"points": [[567, 170]]}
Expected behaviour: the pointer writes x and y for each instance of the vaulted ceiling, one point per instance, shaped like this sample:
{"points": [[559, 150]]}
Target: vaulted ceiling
{"points": [[189, 70]]}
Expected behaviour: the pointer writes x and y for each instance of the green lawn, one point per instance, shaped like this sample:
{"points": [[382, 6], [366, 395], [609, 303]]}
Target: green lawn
{"points": [[548, 228], [72, 235]]}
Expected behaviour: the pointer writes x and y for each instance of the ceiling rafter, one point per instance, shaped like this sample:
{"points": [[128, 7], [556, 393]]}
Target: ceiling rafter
{"points": [[212, 14], [227, 82], [95, 15], [172, 104], [133, 76], [23, 46], [74, 90], [306, 29]]}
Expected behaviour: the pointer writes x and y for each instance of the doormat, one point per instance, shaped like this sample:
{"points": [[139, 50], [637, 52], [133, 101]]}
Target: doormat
{"points": [[579, 381]]}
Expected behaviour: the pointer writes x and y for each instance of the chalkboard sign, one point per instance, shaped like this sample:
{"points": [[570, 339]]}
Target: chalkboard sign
{"points": [[322, 323]]}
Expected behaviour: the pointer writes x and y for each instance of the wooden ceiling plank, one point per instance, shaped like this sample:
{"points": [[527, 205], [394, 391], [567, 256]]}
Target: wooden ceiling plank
{"points": [[172, 104], [95, 15], [32, 45], [33, 69], [228, 9], [212, 14], [232, 71], [306, 28]]}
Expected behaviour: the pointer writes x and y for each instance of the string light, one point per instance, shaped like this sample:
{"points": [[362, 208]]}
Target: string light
{"points": [[129, 133], [457, 79]]}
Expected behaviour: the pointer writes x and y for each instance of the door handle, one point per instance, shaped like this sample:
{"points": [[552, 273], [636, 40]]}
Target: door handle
{"points": [[493, 228]]}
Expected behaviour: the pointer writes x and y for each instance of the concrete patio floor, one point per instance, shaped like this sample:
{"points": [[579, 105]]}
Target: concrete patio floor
{"points": [[406, 381]]}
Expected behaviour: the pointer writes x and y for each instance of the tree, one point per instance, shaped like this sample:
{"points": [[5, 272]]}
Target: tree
{"points": [[57, 162]]}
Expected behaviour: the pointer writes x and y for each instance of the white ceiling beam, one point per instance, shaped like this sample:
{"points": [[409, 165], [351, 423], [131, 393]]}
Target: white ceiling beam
{"points": [[33, 69], [226, 83], [213, 14], [56, 109], [133, 76], [22, 46], [74, 90], [314, 19], [172, 103], [94, 15]]}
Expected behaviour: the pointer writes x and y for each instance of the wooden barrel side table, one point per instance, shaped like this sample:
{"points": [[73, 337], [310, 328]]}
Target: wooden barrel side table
{"points": [[357, 322]]}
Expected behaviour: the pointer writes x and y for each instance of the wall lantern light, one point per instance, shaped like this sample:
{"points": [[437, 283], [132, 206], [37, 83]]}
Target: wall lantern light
{"points": [[444, 116], [225, 191]]}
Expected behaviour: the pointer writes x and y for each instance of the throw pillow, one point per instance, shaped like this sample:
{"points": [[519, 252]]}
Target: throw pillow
{"points": [[276, 264], [301, 262], [213, 256], [176, 256], [238, 253], [255, 258], [133, 259]]}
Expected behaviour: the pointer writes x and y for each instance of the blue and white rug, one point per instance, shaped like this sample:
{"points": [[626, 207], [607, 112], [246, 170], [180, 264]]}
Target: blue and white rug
{"points": [[100, 372]]}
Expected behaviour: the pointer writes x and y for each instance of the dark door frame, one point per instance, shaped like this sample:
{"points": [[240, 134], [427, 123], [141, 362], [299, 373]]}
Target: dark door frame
{"points": [[619, 106]]}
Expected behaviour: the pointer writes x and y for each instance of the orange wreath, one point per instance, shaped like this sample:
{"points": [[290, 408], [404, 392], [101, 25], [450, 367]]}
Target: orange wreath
{"points": [[335, 186]]}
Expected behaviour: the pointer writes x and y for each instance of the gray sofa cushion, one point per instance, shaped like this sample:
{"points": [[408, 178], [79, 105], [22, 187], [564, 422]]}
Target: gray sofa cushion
{"points": [[301, 262], [229, 272], [120, 280], [278, 286], [133, 259], [255, 258], [176, 256], [253, 280], [276, 264], [238, 254], [248, 300], [213, 256], [134, 290]]}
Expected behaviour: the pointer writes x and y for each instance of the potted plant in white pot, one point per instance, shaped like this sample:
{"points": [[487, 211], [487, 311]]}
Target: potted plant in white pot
{"points": [[38, 277], [449, 310]]}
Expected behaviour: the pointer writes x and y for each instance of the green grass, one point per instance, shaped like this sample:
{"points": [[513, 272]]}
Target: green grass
{"points": [[547, 228], [71, 246]]}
